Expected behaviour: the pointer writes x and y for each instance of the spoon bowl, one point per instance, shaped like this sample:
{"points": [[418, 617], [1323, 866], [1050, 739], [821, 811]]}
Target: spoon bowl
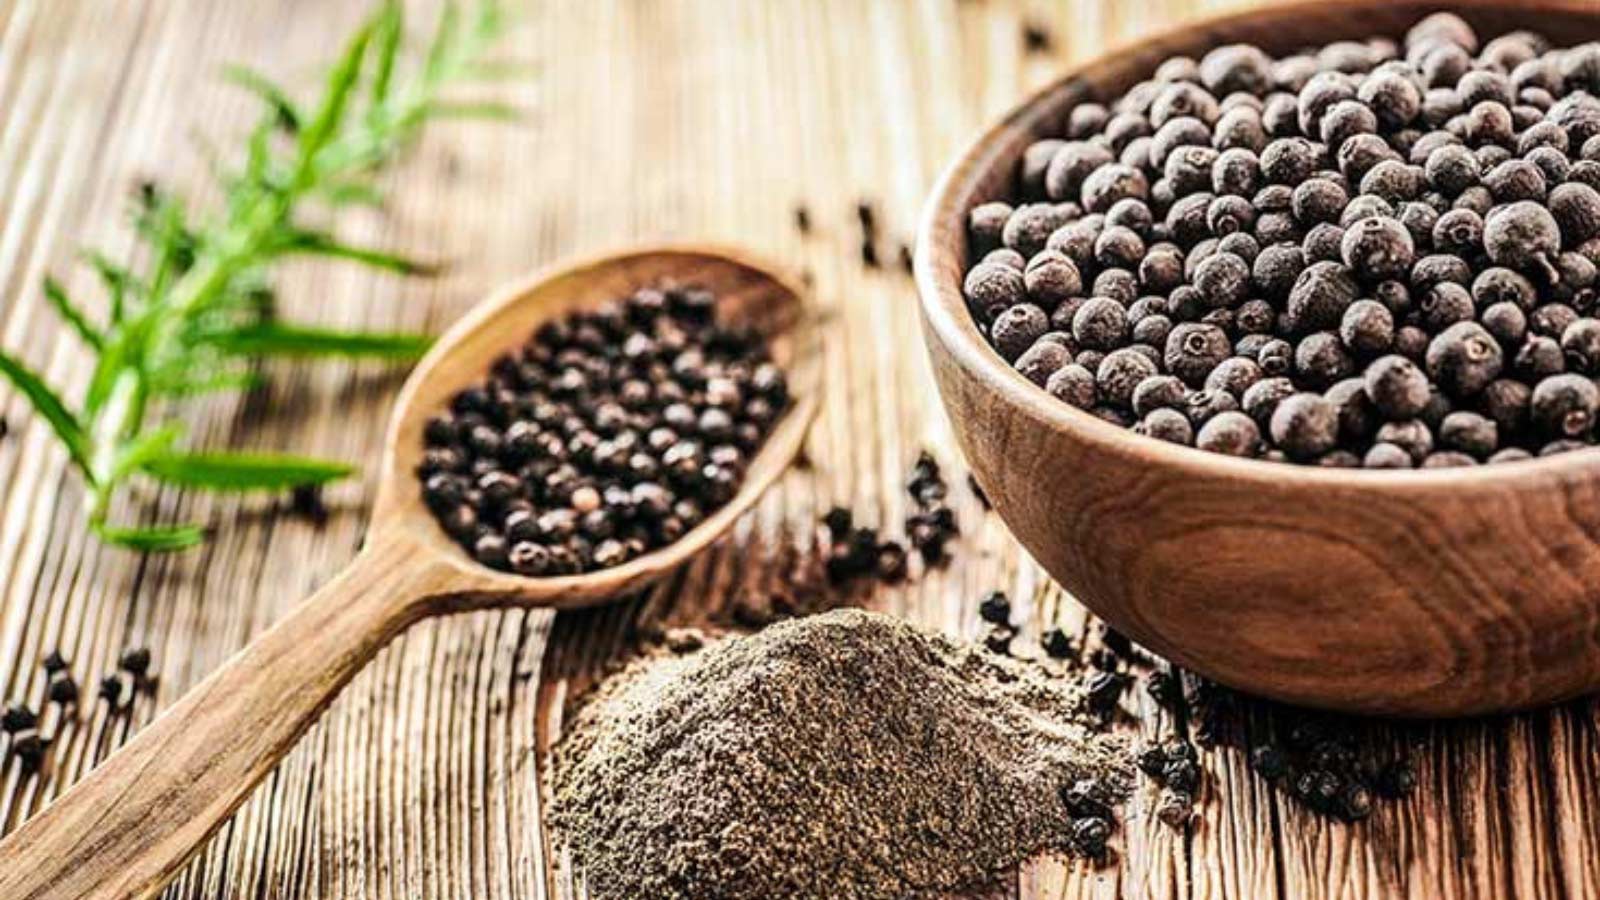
{"points": [[127, 828], [748, 293]]}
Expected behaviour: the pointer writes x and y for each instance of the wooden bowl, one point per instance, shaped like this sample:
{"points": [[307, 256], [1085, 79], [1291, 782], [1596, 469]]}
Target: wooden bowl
{"points": [[1416, 593]]}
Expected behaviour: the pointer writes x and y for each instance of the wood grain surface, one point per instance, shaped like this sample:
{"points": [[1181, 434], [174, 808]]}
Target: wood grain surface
{"points": [[645, 121]]}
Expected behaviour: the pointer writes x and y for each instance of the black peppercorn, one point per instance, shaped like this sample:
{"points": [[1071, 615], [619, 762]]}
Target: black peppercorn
{"points": [[18, 717], [135, 662], [1397, 779], [1412, 436], [1576, 209], [62, 690], [1276, 357], [1464, 358], [1100, 324], [1580, 346], [995, 608], [1089, 835], [1074, 385], [1056, 644], [1564, 406], [29, 749], [1166, 425], [1017, 328], [1522, 235], [1193, 350], [1305, 426], [1320, 359], [990, 288], [54, 662], [1269, 762], [1175, 808], [1377, 248], [1261, 399], [1319, 200], [110, 690], [1104, 691], [1181, 775], [1232, 433], [1367, 327], [1319, 296]]}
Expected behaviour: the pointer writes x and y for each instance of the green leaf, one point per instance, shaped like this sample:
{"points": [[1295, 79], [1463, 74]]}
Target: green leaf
{"points": [[119, 281], [49, 405], [353, 193], [154, 538], [221, 381], [278, 339], [113, 362], [141, 450], [500, 112], [321, 244], [444, 36], [341, 81], [243, 471], [69, 312], [283, 109], [258, 156], [389, 28]]}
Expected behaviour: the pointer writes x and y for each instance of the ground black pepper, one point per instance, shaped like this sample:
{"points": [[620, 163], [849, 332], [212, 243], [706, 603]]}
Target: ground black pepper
{"points": [[1322, 216], [755, 739]]}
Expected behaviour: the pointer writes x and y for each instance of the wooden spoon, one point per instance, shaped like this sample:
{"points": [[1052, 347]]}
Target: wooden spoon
{"points": [[126, 829]]}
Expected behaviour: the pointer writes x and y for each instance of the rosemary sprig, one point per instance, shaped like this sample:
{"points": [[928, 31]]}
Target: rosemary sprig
{"points": [[195, 315]]}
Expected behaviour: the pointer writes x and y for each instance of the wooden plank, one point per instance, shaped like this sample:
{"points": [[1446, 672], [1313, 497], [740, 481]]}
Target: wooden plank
{"points": [[647, 119]]}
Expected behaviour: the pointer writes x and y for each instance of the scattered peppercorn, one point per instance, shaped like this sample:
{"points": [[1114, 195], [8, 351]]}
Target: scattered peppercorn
{"points": [[135, 662], [18, 717], [891, 565], [29, 750], [1104, 691], [995, 608], [933, 525], [1175, 808], [62, 690], [1056, 644], [998, 639], [305, 500], [1395, 229], [54, 662], [1036, 37]]}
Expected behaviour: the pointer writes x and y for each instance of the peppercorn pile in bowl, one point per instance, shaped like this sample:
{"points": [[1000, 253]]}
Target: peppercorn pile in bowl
{"points": [[1370, 254]]}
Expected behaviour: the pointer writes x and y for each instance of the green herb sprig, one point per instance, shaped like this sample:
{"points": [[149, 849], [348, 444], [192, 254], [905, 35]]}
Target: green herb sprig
{"points": [[195, 315]]}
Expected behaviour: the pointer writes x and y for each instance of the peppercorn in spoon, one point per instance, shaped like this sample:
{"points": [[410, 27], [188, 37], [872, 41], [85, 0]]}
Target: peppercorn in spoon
{"points": [[128, 826]]}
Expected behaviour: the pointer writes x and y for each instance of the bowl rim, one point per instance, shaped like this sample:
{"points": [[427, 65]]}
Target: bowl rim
{"points": [[946, 315]]}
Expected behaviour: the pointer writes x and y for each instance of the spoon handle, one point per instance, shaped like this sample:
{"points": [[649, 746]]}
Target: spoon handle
{"points": [[126, 828]]}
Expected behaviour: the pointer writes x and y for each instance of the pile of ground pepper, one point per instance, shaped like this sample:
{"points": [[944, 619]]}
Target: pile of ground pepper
{"points": [[843, 755]]}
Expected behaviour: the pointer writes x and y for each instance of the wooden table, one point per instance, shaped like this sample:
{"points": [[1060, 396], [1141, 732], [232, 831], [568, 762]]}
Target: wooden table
{"points": [[645, 120]]}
